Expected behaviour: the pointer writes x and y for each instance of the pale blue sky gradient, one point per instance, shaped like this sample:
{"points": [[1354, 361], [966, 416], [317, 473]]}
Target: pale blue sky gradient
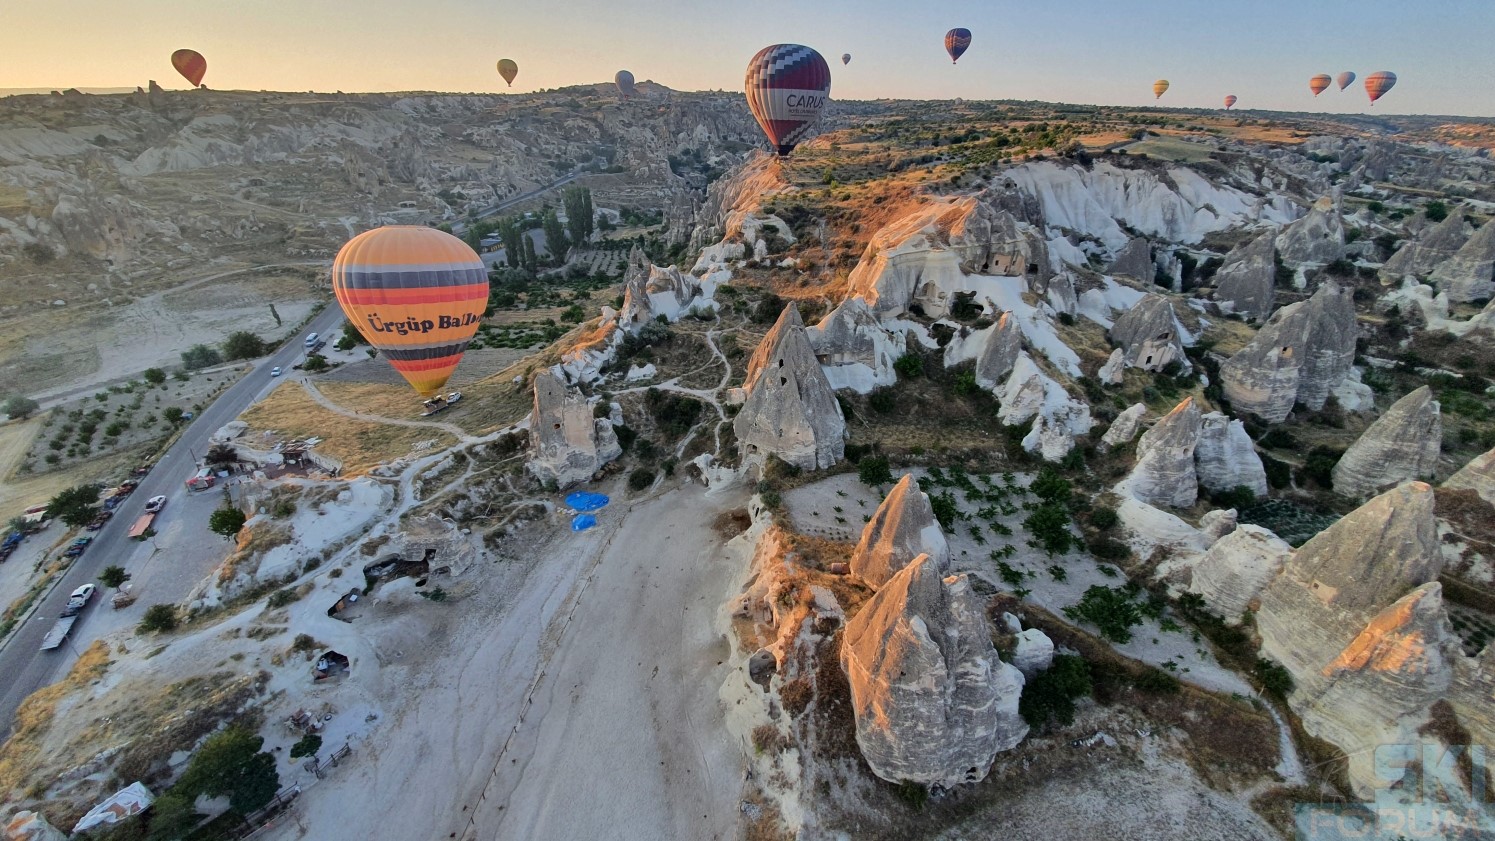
{"points": [[1086, 51]]}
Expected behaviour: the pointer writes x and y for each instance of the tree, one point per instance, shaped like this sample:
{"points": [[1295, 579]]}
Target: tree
{"points": [[307, 746], [874, 471], [909, 366], [74, 506], [579, 213], [242, 344], [1051, 694], [201, 356], [1051, 487], [113, 576], [158, 619], [573, 314], [18, 407], [172, 817], [230, 763], [315, 362], [1112, 611], [275, 315], [513, 237], [226, 521], [1049, 525], [1435, 211], [172, 414], [531, 261], [154, 376], [221, 454], [555, 236]]}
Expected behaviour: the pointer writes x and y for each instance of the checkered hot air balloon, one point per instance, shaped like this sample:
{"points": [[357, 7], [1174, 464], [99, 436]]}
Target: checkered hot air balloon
{"points": [[957, 41], [787, 87], [417, 294]]}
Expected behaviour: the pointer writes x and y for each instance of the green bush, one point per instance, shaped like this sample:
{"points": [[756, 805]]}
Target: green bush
{"points": [[909, 366], [1275, 678], [641, 478], [243, 344], [1104, 518], [158, 618], [883, 401], [945, 509], [1435, 211], [1050, 696], [154, 376], [1110, 610], [1051, 487], [1049, 526], [281, 598], [308, 745], [874, 471]]}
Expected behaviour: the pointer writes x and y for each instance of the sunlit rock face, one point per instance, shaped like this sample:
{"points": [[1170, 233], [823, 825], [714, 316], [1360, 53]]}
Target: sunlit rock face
{"points": [[1300, 355], [1402, 444], [567, 444], [902, 529], [1247, 283], [790, 410], [1470, 274], [1164, 475], [933, 702]]}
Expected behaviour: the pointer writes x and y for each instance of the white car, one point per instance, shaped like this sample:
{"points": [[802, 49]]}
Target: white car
{"points": [[81, 596], [154, 504], [454, 397], [275, 372]]}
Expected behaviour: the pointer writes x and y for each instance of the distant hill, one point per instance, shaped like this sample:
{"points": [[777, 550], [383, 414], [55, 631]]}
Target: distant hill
{"points": [[25, 91]]}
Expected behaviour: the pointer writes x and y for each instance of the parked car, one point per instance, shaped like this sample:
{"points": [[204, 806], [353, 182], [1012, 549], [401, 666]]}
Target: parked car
{"points": [[100, 520], [78, 600], [141, 470], [454, 397], [154, 504], [77, 547], [275, 372]]}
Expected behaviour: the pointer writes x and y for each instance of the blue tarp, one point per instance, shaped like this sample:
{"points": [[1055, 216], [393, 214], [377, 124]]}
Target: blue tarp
{"points": [[582, 522], [586, 501]]}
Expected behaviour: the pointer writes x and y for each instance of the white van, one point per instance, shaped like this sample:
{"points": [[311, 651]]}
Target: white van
{"points": [[311, 341]]}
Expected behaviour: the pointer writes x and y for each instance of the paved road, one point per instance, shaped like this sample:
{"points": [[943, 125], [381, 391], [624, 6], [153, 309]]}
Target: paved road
{"points": [[24, 668], [459, 227]]}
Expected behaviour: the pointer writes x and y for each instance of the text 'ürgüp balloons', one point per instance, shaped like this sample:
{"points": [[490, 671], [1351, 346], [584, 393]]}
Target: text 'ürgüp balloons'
{"points": [[1378, 83], [415, 293], [957, 41], [508, 69], [191, 65], [787, 87]]}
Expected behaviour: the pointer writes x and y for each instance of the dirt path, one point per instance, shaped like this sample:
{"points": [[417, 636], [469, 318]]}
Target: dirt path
{"points": [[322, 400]]}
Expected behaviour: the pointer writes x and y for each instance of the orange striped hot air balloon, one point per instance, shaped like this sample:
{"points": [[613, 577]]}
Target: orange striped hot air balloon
{"points": [[1159, 88], [1378, 83], [1229, 101], [417, 294], [1320, 83], [191, 65], [508, 69]]}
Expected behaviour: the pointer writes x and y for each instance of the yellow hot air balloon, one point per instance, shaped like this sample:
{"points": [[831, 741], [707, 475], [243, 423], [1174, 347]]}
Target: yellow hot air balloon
{"points": [[1378, 83], [508, 69], [417, 294], [1320, 83], [1159, 87]]}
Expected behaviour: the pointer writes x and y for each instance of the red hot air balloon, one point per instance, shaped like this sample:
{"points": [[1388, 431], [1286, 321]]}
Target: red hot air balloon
{"points": [[787, 87], [1229, 101], [1345, 79], [1320, 83], [957, 41], [1378, 83], [191, 65]]}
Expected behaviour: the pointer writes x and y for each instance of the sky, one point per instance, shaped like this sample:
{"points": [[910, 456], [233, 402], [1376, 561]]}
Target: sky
{"points": [[1083, 51]]}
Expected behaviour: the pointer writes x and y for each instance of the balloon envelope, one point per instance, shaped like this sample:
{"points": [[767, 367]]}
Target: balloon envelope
{"points": [[846, 58], [191, 65], [1345, 79], [1229, 101], [1320, 83], [624, 81], [787, 87], [1158, 88], [1378, 83], [508, 69], [417, 294], [957, 41]]}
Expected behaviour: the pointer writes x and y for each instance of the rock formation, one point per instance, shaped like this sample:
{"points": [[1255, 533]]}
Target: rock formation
{"points": [[1356, 617], [1226, 457], [1402, 444], [1033, 653], [933, 702], [1218, 523], [1235, 570], [1478, 476], [1247, 283], [651, 291], [903, 528], [567, 444], [1124, 428], [31, 826], [1470, 274], [854, 349], [1113, 372], [1437, 244], [790, 410], [1316, 238], [1299, 356], [1134, 261], [999, 354], [1029, 394], [1164, 474], [1149, 334]]}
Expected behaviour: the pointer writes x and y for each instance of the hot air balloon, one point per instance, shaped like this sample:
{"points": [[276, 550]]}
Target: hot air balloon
{"points": [[957, 41], [1378, 83], [508, 69], [1229, 101], [1158, 88], [624, 81], [191, 65], [417, 294], [1345, 79], [846, 58], [1320, 83], [787, 87]]}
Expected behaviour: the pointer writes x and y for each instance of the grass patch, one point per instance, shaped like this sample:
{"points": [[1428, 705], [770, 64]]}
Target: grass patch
{"points": [[360, 445]]}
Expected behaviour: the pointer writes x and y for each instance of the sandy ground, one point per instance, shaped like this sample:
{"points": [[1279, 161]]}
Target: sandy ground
{"points": [[574, 696]]}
